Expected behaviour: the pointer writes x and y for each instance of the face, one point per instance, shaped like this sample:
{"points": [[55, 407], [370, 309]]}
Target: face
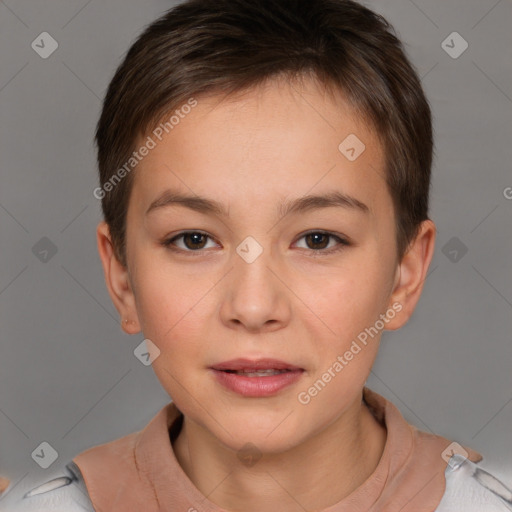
{"points": [[285, 249]]}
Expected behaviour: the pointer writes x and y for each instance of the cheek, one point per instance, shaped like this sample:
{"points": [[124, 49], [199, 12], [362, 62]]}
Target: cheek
{"points": [[350, 307], [172, 322], [167, 305], [350, 302]]}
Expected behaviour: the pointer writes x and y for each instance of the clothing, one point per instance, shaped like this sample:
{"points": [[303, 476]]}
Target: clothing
{"points": [[140, 473], [64, 491]]}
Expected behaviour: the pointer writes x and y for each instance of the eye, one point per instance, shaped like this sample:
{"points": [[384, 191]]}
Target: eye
{"points": [[318, 241], [192, 241], [195, 241]]}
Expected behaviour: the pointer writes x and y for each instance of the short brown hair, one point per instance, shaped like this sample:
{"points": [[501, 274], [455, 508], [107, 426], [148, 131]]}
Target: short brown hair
{"points": [[224, 46]]}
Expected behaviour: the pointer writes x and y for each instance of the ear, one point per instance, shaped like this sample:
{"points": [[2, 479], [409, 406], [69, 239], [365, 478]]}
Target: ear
{"points": [[411, 273], [117, 281]]}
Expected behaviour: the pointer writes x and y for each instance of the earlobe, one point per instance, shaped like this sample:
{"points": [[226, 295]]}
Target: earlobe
{"points": [[117, 281], [411, 274]]}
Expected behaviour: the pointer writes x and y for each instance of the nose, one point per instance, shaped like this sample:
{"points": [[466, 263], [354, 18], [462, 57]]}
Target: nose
{"points": [[255, 296]]}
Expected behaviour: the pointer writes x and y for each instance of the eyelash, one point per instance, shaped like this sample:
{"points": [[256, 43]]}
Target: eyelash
{"points": [[315, 252]]}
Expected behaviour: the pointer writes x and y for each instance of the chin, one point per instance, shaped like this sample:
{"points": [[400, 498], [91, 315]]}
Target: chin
{"points": [[271, 436]]}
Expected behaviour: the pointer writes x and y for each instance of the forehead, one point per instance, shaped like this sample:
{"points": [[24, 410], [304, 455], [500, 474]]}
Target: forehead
{"points": [[278, 139]]}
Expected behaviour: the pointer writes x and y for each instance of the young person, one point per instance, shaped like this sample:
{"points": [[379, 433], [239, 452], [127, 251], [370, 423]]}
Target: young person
{"points": [[264, 176]]}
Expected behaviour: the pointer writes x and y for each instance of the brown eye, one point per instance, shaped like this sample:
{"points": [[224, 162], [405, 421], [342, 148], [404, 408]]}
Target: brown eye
{"points": [[194, 240], [319, 242], [191, 241]]}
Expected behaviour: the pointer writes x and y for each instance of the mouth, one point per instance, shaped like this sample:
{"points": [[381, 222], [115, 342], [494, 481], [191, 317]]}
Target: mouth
{"points": [[256, 378], [247, 366], [257, 373]]}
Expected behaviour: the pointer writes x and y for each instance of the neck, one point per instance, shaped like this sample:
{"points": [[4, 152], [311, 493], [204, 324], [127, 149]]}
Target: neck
{"points": [[314, 475]]}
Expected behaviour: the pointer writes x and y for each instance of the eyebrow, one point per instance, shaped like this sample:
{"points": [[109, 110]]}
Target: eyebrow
{"points": [[299, 205]]}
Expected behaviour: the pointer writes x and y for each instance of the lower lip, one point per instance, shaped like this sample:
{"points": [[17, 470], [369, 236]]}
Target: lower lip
{"points": [[257, 386]]}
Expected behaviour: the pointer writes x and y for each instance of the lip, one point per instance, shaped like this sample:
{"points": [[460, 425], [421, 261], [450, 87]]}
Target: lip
{"points": [[256, 386], [254, 364]]}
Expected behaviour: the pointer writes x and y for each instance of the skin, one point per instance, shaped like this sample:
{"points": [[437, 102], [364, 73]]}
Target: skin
{"points": [[4, 483], [295, 303]]}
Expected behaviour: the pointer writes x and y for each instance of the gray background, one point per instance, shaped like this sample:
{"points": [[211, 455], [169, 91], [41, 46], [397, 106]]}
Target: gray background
{"points": [[68, 375]]}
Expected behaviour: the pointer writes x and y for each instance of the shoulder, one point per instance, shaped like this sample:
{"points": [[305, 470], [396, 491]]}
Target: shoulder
{"points": [[470, 488], [65, 491]]}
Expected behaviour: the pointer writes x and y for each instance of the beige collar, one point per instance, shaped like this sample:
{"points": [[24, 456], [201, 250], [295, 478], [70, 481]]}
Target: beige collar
{"points": [[140, 471]]}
